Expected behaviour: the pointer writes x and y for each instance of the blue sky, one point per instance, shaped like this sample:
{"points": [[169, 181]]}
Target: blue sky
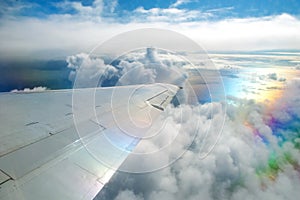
{"points": [[124, 8], [240, 8]]}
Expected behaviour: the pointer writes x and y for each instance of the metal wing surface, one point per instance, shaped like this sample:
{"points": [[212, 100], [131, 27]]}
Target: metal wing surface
{"points": [[67, 144]]}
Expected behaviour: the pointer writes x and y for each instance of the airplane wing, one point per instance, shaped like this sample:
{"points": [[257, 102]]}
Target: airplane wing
{"points": [[67, 144]]}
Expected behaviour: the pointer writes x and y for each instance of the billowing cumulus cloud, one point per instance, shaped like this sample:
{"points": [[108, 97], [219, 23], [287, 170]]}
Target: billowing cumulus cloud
{"points": [[151, 69], [89, 72], [257, 156], [145, 68]]}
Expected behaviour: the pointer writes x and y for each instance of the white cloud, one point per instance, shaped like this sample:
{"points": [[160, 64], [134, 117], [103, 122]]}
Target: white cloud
{"points": [[92, 12], [246, 34], [9, 8], [225, 9], [173, 15], [147, 67], [150, 69], [62, 34], [35, 89], [128, 195], [289, 105], [180, 2], [112, 5], [88, 71]]}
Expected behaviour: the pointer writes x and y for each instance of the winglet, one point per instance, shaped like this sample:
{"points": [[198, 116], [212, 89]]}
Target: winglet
{"points": [[164, 97]]}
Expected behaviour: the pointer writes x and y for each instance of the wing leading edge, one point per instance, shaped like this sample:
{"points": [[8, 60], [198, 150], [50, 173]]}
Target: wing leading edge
{"points": [[67, 144]]}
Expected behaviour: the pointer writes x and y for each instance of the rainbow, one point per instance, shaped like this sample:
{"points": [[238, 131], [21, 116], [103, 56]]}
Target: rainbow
{"points": [[249, 87]]}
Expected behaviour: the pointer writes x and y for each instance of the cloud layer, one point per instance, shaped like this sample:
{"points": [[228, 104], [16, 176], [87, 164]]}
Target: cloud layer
{"points": [[62, 35]]}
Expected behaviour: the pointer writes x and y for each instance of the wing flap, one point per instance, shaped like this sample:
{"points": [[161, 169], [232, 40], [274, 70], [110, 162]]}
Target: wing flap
{"points": [[3, 178]]}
